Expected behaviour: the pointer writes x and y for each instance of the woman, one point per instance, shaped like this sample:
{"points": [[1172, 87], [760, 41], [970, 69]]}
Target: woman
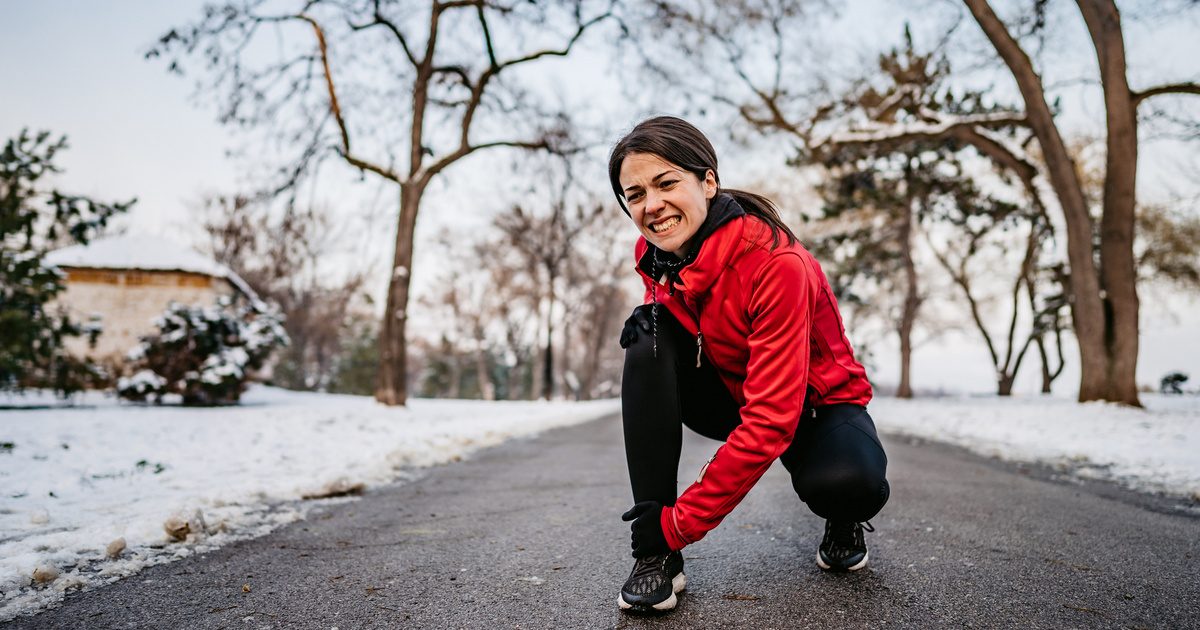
{"points": [[740, 339]]}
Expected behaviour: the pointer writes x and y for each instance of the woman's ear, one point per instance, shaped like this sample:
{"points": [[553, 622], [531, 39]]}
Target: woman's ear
{"points": [[710, 184]]}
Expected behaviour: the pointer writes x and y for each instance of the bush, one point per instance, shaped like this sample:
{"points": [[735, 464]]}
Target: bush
{"points": [[1170, 384], [206, 355]]}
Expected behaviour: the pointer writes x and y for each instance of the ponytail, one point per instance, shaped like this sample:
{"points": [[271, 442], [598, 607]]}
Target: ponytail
{"points": [[763, 208]]}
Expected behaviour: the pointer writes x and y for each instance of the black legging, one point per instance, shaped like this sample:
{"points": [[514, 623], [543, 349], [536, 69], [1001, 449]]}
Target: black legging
{"points": [[836, 461]]}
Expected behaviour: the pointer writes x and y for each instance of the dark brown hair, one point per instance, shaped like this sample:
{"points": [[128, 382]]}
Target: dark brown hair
{"points": [[679, 142]]}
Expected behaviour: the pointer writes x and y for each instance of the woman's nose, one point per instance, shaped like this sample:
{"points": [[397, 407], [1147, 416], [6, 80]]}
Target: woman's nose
{"points": [[654, 202]]}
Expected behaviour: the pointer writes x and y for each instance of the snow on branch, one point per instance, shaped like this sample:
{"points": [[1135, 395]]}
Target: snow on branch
{"points": [[888, 106], [900, 132]]}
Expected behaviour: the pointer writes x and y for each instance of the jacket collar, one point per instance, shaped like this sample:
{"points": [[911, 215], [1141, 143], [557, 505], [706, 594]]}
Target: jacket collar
{"points": [[710, 253]]}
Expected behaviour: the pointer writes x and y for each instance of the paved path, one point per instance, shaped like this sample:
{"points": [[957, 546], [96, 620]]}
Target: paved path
{"points": [[527, 535]]}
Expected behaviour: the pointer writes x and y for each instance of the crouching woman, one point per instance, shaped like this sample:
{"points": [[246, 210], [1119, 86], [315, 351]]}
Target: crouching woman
{"points": [[740, 340]]}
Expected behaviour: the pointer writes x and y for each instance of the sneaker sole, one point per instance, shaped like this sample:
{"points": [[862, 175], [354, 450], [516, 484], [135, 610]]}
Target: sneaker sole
{"points": [[861, 563], [678, 584]]}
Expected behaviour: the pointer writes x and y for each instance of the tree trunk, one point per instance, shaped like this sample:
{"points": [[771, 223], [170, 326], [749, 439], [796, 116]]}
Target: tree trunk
{"points": [[547, 392], [393, 341], [535, 372], [912, 302], [602, 316], [1087, 311], [1046, 378], [1118, 270], [454, 387], [487, 390], [1004, 384]]}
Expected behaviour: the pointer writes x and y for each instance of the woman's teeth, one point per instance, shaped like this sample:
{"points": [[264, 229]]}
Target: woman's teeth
{"points": [[665, 225]]}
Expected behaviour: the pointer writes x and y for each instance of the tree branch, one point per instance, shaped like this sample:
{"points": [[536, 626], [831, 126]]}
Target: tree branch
{"points": [[379, 20], [465, 150], [1173, 88], [487, 36], [583, 27], [459, 73], [336, 110], [959, 276], [922, 131], [477, 89]]}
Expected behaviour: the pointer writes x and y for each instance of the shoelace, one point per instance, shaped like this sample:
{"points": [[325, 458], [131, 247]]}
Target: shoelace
{"points": [[848, 537], [648, 574]]}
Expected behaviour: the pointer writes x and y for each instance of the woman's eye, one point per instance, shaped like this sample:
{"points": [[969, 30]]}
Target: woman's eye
{"points": [[633, 197], [669, 183]]}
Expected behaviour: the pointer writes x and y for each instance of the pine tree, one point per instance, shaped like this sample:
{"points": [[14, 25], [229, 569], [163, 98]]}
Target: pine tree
{"points": [[33, 221]]}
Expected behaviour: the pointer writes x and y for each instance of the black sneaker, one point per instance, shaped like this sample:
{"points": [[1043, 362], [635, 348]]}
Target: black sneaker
{"points": [[843, 548], [652, 585]]}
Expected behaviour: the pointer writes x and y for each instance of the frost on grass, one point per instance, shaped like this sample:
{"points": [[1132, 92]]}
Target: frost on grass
{"points": [[137, 486]]}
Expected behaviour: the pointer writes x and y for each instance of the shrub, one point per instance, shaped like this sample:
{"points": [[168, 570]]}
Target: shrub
{"points": [[205, 354], [1170, 384]]}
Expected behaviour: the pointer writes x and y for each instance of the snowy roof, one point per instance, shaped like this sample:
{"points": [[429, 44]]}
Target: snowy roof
{"points": [[147, 253]]}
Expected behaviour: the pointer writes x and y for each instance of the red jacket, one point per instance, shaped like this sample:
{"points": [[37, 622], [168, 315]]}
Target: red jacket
{"points": [[768, 322]]}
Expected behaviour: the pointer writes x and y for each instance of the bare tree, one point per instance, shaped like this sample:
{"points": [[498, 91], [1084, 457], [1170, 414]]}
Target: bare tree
{"points": [[986, 223], [547, 244], [482, 300], [597, 298], [448, 62], [280, 256], [1104, 302], [494, 309]]}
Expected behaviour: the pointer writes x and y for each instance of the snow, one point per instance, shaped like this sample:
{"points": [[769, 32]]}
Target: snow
{"points": [[144, 253], [1153, 450], [77, 479], [142, 383]]}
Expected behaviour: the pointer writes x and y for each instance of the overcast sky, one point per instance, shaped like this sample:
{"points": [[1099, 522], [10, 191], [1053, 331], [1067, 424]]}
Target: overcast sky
{"points": [[76, 67]]}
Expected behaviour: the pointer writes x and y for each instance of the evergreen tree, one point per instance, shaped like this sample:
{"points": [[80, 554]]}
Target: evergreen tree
{"points": [[34, 220], [886, 185]]}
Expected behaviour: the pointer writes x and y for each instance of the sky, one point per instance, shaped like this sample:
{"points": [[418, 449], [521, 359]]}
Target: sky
{"points": [[137, 131]]}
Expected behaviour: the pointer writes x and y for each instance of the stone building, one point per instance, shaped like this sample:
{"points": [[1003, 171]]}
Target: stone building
{"points": [[125, 282]]}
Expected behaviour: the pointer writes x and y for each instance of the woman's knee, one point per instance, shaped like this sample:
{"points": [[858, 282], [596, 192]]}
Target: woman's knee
{"points": [[851, 495], [845, 481]]}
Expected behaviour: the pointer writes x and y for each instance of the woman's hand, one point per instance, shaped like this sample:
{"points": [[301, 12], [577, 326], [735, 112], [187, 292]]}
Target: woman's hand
{"points": [[648, 539], [639, 319]]}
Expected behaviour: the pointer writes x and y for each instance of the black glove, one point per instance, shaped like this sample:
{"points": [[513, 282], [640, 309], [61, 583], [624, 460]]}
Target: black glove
{"points": [[648, 539], [639, 319]]}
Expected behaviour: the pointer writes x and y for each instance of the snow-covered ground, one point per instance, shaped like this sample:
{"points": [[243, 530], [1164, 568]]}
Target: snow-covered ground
{"points": [[1156, 449], [75, 480]]}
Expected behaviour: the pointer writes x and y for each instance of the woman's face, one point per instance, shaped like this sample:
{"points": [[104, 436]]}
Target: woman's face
{"points": [[667, 203]]}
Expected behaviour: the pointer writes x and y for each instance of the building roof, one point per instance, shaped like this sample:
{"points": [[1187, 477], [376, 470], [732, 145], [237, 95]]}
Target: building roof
{"points": [[144, 253]]}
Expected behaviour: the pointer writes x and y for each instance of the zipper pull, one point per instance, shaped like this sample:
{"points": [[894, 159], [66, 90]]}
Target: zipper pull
{"points": [[699, 346]]}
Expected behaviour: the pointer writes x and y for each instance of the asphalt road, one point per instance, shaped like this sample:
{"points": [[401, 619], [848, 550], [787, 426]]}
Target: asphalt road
{"points": [[527, 535]]}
